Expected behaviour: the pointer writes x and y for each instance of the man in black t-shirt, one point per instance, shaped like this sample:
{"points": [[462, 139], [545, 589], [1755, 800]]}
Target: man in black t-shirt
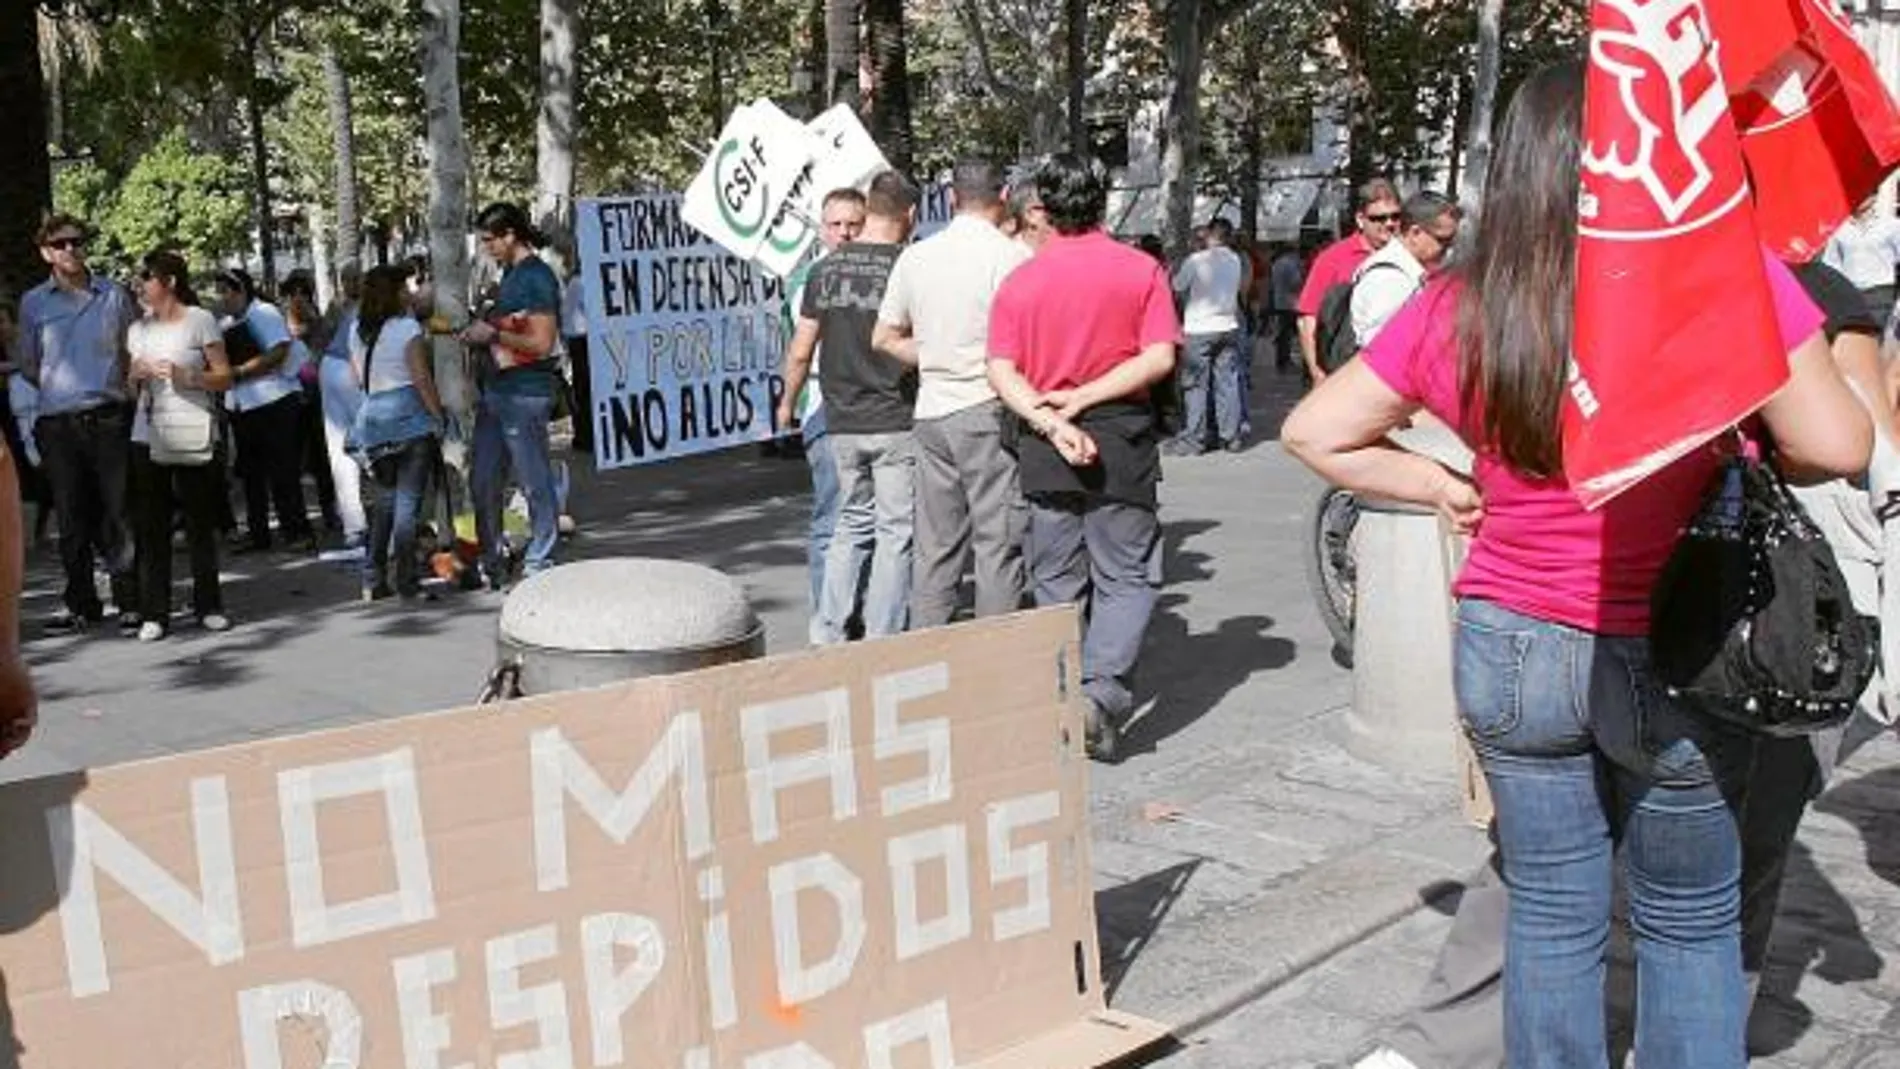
{"points": [[869, 395]]}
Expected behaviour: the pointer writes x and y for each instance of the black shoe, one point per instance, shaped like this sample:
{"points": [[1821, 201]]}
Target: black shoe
{"points": [[1238, 445], [129, 623], [67, 622], [1102, 736], [242, 545]]}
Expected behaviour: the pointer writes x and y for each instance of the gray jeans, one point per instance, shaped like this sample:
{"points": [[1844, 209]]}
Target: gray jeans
{"points": [[1100, 554], [876, 476], [968, 503]]}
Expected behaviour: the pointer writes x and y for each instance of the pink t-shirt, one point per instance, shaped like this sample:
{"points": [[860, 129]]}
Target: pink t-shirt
{"points": [[1083, 305], [1538, 552]]}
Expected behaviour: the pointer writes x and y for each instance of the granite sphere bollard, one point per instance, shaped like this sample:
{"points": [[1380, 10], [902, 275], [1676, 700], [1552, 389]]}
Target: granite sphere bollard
{"points": [[597, 622]]}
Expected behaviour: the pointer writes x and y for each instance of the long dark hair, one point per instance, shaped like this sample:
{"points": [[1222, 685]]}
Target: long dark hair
{"points": [[1515, 312], [381, 300], [170, 266]]}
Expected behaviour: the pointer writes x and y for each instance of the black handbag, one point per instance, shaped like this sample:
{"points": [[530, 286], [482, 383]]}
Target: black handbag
{"points": [[1752, 619]]}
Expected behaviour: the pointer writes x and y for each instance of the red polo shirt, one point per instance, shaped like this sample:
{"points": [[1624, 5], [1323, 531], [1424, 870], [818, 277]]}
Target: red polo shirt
{"points": [[1083, 305], [1334, 264]]}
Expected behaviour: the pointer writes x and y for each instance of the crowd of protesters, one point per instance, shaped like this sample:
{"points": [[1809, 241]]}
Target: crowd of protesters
{"points": [[136, 413]]}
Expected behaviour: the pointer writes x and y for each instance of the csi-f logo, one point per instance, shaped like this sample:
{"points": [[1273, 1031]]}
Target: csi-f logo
{"points": [[1652, 128], [739, 173]]}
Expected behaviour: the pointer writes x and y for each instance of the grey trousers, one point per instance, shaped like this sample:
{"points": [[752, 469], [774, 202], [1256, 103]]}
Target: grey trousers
{"points": [[968, 504], [1100, 554], [875, 493]]}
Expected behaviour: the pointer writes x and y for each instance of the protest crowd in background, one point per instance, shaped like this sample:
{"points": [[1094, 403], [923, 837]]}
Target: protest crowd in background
{"points": [[994, 401]]}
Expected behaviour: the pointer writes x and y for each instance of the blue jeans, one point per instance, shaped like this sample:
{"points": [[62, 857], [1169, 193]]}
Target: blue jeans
{"points": [[824, 500], [1582, 748], [395, 487], [876, 487], [1210, 378], [511, 433]]}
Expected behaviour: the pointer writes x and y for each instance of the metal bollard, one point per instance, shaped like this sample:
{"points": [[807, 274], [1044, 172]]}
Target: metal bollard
{"points": [[603, 621]]}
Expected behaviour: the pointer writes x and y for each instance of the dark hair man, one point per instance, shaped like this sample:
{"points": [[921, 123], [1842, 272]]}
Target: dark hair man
{"points": [[1427, 227], [1377, 219], [72, 348], [266, 403], [1079, 336], [517, 394], [936, 315], [868, 399]]}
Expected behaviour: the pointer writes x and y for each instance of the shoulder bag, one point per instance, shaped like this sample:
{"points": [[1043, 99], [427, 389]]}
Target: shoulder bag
{"points": [[1752, 618]]}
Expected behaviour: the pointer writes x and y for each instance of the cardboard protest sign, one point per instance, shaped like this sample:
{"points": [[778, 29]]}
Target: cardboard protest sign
{"points": [[1675, 334], [847, 154], [687, 343], [874, 855], [736, 197], [843, 155]]}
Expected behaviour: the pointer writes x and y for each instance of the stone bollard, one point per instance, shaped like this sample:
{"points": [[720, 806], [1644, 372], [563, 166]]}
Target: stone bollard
{"points": [[602, 621], [1404, 713]]}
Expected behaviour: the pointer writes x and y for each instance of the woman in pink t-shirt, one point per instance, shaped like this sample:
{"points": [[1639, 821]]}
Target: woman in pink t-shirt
{"points": [[1581, 747]]}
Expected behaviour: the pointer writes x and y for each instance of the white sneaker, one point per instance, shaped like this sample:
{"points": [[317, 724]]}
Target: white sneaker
{"points": [[216, 621], [1384, 1058], [151, 631]]}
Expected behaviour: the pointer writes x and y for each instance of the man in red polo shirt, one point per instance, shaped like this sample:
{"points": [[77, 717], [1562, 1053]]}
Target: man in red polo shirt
{"points": [[1078, 336], [1378, 221]]}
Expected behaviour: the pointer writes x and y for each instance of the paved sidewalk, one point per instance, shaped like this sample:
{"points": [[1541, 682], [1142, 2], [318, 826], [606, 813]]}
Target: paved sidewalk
{"points": [[1238, 847]]}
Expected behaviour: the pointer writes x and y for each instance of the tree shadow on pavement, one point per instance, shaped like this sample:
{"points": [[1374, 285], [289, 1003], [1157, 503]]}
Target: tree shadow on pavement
{"points": [[1127, 917]]}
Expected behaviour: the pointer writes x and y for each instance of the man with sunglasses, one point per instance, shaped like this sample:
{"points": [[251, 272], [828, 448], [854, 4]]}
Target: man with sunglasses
{"points": [[72, 348], [1378, 220], [1390, 277]]}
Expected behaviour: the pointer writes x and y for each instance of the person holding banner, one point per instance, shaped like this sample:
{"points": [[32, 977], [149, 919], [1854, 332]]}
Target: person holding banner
{"points": [[1080, 336], [869, 395], [936, 316], [517, 394], [1581, 746]]}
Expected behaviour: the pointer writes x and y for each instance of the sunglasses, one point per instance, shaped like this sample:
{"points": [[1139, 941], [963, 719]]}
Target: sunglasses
{"points": [[64, 244], [1383, 218]]}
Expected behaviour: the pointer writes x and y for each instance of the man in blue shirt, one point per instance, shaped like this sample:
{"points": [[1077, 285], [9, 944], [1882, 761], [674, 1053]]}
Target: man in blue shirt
{"points": [[517, 382], [72, 348]]}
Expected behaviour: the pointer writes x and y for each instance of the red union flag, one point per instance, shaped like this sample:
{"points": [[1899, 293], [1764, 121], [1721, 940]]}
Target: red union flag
{"points": [[1819, 130], [1675, 334]]}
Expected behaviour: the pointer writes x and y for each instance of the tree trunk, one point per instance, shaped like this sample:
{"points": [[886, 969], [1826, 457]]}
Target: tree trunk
{"points": [[1252, 160], [1181, 127], [266, 242], [349, 225], [841, 53], [1484, 101], [1076, 27], [26, 182], [890, 80], [320, 256], [1354, 44], [448, 215], [814, 59], [554, 128], [716, 61]]}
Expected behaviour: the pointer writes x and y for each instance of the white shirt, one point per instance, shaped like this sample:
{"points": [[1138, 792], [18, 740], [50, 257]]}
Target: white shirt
{"points": [[268, 330], [1379, 291], [941, 288], [1211, 279], [180, 343], [1865, 250], [389, 364]]}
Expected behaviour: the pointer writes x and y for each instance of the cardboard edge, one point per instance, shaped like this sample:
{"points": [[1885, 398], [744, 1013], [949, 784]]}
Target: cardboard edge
{"points": [[1101, 1038]]}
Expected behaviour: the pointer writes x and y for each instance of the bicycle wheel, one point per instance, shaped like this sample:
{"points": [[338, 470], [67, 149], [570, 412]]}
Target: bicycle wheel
{"points": [[1331, 570]]}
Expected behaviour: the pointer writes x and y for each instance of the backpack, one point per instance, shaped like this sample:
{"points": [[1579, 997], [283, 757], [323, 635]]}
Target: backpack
{"points": [[1334, 340]]}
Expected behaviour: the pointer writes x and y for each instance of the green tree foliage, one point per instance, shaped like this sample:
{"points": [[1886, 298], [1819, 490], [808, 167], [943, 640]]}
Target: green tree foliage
{"points": [[173, 197]]}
